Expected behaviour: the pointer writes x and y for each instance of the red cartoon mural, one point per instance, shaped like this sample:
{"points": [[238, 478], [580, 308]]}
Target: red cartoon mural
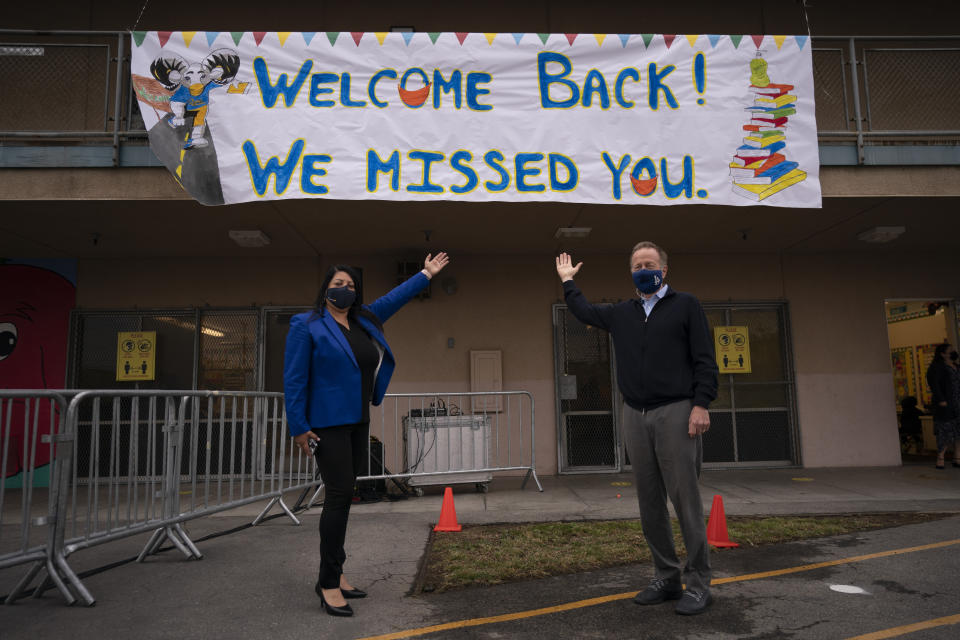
{"points": [[35, 306]]}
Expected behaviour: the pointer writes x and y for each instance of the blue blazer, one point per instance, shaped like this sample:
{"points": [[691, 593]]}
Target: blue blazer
{"points": [[321, 377]]}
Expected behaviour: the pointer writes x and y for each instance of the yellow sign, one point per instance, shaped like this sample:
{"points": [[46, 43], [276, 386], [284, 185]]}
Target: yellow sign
{"points": [[136, 355], [733, 349]]}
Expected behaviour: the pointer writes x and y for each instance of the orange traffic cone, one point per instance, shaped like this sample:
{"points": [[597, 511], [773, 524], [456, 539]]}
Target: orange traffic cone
{"points": [[448, 514], [717, 526]]}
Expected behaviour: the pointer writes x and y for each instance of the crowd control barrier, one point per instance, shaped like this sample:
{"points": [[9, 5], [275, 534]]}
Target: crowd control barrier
{"points": [[420, 439], [30, 422], [121, 463]]}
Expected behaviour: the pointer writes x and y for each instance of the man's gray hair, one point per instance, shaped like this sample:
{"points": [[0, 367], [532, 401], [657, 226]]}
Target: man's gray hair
{"points": [[649, 245]]}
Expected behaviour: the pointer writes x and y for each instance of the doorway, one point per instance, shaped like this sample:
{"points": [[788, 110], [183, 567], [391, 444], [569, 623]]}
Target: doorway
{"points": [[914, 329], [753, 419]]}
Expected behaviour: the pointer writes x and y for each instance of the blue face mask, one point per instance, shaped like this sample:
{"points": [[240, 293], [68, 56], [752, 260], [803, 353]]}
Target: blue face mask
{"points": [[648, 280], [341, 297]]}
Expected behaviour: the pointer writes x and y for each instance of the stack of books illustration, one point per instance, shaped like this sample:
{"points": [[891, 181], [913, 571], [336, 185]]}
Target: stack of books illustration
{"points": [[760, 167]]}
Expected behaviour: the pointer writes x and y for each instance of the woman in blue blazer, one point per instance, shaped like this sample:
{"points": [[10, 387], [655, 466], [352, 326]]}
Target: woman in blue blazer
{"points": [[337, 362]]}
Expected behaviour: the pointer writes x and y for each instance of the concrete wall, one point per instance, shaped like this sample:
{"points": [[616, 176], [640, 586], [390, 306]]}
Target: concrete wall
{"points": [[845, 397]]}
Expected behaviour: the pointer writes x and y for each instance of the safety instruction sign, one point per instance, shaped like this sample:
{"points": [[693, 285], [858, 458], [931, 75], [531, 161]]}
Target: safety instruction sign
{"points": [[136, 355], [732, 345]]}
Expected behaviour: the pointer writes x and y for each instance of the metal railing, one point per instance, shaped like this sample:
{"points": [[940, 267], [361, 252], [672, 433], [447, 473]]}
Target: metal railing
{"points": [[876, 90], [125, 462]]}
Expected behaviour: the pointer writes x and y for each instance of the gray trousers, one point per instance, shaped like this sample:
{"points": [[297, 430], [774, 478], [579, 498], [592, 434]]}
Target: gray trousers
{"points": [[666, 462]]}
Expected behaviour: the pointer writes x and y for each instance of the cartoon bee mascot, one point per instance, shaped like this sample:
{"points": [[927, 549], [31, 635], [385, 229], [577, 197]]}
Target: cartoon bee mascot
{"points": [[191, 85]]}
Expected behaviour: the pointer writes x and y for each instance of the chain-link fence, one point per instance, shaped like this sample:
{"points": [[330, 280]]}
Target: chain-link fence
{"points": [[912, 89], [875, 91], [70, 81]]}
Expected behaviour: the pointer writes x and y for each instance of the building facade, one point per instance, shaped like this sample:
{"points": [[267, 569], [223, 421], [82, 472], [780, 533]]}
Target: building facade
{"points": [[79, 186]]}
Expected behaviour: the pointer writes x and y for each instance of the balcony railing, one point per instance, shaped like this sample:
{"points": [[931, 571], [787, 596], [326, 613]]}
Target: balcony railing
{"points": [[68, 100]]}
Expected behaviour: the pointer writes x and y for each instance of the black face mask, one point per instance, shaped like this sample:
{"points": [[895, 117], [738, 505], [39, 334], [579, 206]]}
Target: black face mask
{"points": [[341, 297]]}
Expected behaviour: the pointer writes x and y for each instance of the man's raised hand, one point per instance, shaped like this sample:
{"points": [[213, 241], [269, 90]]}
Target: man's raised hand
{"points": [[565, 268]]}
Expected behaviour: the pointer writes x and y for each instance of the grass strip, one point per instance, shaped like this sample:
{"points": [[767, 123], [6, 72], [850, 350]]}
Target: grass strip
{"points": [[484, 555]]}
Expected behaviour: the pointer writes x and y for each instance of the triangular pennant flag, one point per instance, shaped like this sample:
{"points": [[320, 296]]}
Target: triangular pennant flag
{"points": [[188, 37], [692, 39], [308, 36], [624, 37], [757, 40], [407, 37], [736, 41], [668, 39], [357, 36], [517, 37], [543, 37], [282, 37], [332, 37], [571, 37], [258, 36], [600, 38], [779, 40], [647, 38], [381, 36], [489, 37], [211, 36], [714, 39], [433, 36], [237, 36], [462, 35], [801, 40], [138, 37], [163, 36]]}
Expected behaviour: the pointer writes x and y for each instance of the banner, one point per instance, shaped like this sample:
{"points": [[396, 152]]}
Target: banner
{"points": [[521, 117]]}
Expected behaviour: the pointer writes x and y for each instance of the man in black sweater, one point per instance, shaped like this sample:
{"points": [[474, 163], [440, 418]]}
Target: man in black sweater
{"points": [[667, 372]]}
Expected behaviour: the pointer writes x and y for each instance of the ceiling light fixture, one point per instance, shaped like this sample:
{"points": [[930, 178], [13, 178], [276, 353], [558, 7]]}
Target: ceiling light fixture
{"points": [[572, 232], [249, 237], [881, 234]]}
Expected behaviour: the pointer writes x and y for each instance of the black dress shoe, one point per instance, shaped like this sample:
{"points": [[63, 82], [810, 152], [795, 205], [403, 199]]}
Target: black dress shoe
{"points": [[659, 591], [345, 611], [693, 603], [353, 593]]}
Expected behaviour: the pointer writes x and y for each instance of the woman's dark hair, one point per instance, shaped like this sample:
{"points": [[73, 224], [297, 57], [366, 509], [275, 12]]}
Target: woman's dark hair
{"points": [[356, 309], [940, 349]]}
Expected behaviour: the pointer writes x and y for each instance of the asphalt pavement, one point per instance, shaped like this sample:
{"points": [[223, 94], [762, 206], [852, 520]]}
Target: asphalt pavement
{"points": [[257, 582]]}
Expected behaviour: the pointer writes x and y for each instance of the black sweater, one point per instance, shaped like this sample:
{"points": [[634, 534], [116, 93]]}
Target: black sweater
{"points": [[661, 359]]}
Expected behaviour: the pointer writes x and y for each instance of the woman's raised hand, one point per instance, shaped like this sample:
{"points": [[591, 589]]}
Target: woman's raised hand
{"points": [[435, 264], [565, 268]]}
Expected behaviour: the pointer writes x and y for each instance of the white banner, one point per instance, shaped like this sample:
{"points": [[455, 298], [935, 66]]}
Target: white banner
{"points": [[524, 117]]}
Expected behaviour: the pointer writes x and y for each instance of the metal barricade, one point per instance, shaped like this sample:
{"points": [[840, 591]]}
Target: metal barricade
{"points": [[124, 463], [31, 422], [419, 439], [135, 455]]}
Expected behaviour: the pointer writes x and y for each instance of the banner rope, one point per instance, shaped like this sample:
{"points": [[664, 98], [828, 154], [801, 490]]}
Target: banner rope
{"points": [[142, 9]]}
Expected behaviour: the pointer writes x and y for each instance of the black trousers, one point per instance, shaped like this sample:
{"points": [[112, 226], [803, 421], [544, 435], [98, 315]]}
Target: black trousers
{"points": [[341, 455]]}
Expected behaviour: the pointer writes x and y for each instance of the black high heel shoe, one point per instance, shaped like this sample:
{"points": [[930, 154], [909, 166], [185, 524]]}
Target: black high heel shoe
{"points": [[360, 593], [345, 611]]}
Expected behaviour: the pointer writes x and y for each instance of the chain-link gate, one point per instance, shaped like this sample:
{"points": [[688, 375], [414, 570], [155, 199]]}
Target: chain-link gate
{"points": [[587, 419], [752, 421], [196, 349]]}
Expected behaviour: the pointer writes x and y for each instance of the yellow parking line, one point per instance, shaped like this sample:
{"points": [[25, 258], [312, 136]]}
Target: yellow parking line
{"points": [[833, 563], [579, 604], [908, 628]]}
